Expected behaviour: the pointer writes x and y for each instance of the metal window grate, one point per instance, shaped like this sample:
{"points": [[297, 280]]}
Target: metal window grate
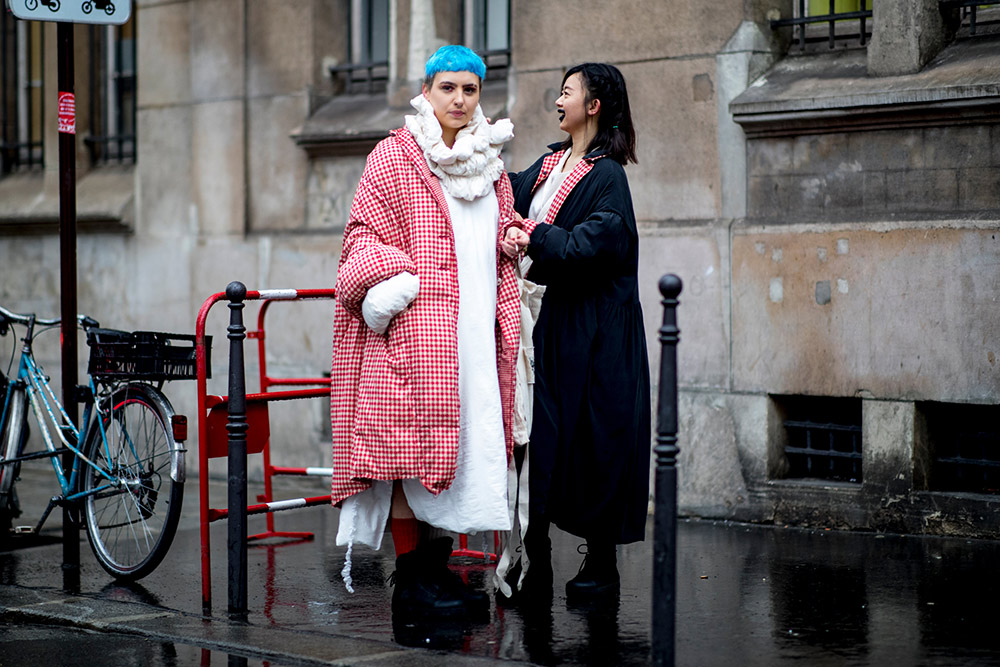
{"points": [[822, 437], [497, 63], [824, 451], [361, 78], [970, 12], [965, 446], [842, 26], [21, 94]]}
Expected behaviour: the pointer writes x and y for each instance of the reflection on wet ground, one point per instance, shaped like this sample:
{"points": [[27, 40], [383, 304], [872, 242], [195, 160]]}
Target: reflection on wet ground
{"points": [[27, 644], [747, 595]]}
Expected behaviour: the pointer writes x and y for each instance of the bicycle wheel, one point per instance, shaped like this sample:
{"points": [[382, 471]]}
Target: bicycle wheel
{"points": [[131, 518], [12, 438]]}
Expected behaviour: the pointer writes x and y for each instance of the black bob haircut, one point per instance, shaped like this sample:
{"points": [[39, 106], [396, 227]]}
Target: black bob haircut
{"points": [[615, 133]]}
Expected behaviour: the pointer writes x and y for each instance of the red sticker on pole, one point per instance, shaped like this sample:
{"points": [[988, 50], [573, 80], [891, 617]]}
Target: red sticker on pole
{"points": [[67, 113]]}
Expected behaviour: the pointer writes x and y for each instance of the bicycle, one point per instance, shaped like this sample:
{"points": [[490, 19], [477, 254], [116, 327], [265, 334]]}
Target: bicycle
{"points": [[125, 484]]}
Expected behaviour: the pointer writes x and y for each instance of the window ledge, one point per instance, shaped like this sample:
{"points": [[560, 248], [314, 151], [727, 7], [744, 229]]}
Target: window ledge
{"points": [[939, 497], [832, 92], [351, 125], [29, 203], [811, 484]]}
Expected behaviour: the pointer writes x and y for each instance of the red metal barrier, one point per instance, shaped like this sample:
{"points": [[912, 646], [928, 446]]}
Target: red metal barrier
{"points": [[213, 438]]}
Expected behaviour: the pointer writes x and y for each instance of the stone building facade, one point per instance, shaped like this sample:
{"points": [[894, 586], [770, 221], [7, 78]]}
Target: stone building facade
{"points": [[832, 212]]}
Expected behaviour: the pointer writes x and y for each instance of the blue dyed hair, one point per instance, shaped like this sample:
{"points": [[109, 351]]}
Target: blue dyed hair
{"points": [[454, 58]]}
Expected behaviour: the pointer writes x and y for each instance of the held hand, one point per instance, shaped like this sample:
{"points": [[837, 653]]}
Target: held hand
{"points": [[514, 242]]}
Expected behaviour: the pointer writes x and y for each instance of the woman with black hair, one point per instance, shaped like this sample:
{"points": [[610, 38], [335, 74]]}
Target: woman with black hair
{"points": [[590, 438]]}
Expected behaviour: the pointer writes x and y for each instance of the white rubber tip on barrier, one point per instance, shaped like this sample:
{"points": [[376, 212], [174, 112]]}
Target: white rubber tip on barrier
{"points": [[279, 505], [320, 472], [279, 294]]}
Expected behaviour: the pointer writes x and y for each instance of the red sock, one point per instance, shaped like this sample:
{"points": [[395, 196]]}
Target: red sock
{"points": [[405, 534]]}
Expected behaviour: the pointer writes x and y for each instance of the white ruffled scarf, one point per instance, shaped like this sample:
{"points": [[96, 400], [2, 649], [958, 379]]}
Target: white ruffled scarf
{"points": [[468, 169]]}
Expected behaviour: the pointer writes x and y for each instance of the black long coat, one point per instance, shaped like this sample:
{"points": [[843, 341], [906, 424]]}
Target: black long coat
{"points": [[590, 437]]}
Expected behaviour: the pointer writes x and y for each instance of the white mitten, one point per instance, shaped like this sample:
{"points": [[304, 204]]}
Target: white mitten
{"points": [[387, 299]]}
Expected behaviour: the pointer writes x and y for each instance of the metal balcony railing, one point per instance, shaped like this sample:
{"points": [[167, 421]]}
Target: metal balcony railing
{"points": [[842, 26], [970, 12], [361, 78]]}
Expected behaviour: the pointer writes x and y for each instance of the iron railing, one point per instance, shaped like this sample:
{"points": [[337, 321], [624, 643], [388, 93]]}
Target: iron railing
{"points": [[970, 12], [361, 78], [370, 78], [497, 63], [856, 23]]}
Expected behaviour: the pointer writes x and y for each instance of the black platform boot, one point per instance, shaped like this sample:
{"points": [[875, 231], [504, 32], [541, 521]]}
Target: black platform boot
{"points": [[420, 590], [598, 576], [537, 584], [438, 551]]}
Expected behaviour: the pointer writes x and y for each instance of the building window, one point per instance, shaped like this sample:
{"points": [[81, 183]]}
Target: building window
{"points": [[822, 437], [487, 32], [964, 443], [112, 94], [21, 58], [368, 69], [830, 22]]}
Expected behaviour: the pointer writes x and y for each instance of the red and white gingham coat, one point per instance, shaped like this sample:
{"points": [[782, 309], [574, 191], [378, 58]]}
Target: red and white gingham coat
{"points": [[394, 402]]}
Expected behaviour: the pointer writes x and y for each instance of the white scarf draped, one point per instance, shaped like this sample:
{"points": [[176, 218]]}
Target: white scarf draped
{"points": [[468, 169]]}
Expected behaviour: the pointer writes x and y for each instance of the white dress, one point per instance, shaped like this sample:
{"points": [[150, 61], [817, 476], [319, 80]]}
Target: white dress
{"points": [[477, 499]]}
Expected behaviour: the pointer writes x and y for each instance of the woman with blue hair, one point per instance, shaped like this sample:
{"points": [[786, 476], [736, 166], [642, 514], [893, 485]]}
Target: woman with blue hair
{"points": [[425, 338]]}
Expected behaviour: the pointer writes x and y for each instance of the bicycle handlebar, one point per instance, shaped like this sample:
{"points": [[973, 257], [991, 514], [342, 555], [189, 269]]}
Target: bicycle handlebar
{"points": [[8, 316]]}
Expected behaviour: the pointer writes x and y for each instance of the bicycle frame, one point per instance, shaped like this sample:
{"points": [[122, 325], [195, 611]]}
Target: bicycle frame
{"points": [[45, 406]]}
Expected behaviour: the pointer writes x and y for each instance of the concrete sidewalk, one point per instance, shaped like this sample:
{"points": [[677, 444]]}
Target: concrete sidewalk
{"points": [[747, 595]]}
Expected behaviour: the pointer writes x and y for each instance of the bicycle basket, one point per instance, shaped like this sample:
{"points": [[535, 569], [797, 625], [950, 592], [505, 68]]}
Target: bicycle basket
{"points": [[145, 355]]}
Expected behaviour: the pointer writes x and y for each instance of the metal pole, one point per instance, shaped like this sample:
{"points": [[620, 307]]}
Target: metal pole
{"points": [[237, 426], [665, 515], [67, 279]]}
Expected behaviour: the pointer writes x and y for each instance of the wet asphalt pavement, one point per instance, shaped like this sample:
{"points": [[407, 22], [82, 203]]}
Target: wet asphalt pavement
{"points": [[746, 595]]}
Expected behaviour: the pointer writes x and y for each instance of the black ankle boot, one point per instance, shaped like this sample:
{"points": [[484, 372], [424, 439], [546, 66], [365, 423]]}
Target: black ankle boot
{"points": [[598, 575], [537, 584], [437, 552], [420, 590]]}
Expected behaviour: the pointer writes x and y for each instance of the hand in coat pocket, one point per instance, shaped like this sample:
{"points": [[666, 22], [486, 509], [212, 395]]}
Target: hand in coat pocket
{"points": [[387, 299]]}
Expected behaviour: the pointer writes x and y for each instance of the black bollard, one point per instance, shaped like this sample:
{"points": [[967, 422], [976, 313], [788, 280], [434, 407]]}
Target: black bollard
{"points": [[665, 513], [236, 426]]}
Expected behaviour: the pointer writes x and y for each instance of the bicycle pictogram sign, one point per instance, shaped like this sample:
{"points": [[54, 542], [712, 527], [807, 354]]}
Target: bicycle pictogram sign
{"points": [[95, 12], [106, 5], [51, 4]]}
